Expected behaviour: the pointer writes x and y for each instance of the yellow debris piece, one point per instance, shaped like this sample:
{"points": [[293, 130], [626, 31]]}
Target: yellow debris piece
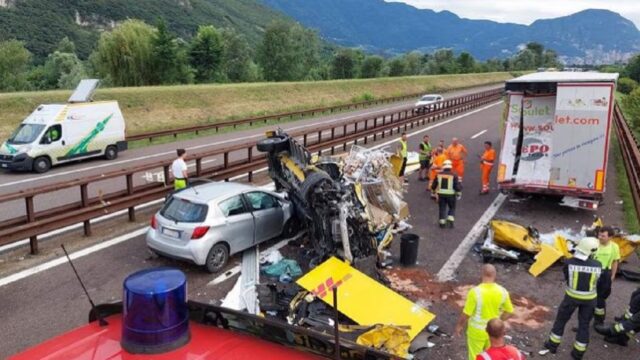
{"points": [[396, 162], [547, 256], [391, 339], [510, 235], [362, 299], [561, 245], [626, 247]]}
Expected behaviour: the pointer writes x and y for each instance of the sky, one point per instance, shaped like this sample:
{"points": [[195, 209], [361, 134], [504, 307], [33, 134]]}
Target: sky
{"points": [[527, 11]]}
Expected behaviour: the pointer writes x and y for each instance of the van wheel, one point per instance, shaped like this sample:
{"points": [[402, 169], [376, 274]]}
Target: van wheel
{"points": [[41, 164], [111, 152], [217, 258]]}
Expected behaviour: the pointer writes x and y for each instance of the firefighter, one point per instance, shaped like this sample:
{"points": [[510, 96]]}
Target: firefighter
{"points": [[608, 254], [581, 274], [625, 327], [486, 165], [484, 302], [179, 170], [403, 152], [436, 167], [456, 152], [499, 350], [425, 152], [448, 189]]}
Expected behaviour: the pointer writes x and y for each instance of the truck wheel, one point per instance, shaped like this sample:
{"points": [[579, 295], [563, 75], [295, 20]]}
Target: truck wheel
{"points": [[217, 258], [41, 164], [273, 144], [111, 152], [313, 179]]}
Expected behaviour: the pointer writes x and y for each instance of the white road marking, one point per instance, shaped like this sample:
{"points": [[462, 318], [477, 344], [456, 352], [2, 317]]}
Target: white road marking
{"points": [[76, 255], [454, 264], [111, 163], [449, 268], [478, 134]]}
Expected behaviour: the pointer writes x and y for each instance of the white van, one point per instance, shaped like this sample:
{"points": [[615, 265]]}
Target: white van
{"points": [[59, 133]]}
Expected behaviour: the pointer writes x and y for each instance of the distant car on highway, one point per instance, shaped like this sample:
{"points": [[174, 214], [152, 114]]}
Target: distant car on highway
{"points": [[428, 102], [206, 224]]}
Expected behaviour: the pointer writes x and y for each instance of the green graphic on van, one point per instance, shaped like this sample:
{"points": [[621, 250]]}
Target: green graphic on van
{"points": [[81, 147], [11, 149]]}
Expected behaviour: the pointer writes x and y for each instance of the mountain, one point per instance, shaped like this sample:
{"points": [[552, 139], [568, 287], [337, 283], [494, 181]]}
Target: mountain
{"points": [[43, 23], [377, 25]]}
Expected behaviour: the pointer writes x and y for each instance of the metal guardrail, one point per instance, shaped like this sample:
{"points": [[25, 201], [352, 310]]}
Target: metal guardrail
{"points": [[629, 147], [274, 117], [238, 159]]}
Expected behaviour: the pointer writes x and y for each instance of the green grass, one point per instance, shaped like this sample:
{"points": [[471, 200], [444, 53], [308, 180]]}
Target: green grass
{"points": [[632, 224], [166, 107]]}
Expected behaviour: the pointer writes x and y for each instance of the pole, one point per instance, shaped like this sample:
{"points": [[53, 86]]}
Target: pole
{"points": [[335, 323]]}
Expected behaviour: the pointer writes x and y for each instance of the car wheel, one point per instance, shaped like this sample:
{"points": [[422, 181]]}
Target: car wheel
{"points": [[290, 228], [111, 152], [217, 258], [272, 144], [41, 164]]}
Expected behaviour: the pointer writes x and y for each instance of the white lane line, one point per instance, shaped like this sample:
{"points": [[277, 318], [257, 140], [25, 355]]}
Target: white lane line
{"points": [[271, 186], [112, 163], [76, 255], [449, 268], [478, 134]]}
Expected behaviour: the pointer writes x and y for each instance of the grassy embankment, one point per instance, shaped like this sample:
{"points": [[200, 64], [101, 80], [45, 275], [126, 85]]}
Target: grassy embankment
{"points": [[164, 107], [632, 223]]}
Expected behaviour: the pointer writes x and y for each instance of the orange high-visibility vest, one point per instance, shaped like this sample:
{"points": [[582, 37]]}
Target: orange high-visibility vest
{"points": [[489, 157], [455, 152]]}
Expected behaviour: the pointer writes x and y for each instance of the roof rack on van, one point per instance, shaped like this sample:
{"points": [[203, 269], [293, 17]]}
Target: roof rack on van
{"points": [[84, 91]]}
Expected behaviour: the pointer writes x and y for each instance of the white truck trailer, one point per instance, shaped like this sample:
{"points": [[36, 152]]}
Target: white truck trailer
{"points": [[556, 135]]}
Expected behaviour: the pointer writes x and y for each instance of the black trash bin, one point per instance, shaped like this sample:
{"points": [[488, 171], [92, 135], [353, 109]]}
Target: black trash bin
{"points": [[409, 249]]}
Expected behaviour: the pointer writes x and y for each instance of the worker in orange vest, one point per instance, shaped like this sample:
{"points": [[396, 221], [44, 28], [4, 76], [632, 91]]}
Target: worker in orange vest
{"points": [[486, 164], [456, 152], [437, 161]]}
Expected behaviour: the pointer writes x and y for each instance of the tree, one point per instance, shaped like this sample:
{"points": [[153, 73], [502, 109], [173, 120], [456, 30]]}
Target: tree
{"points": [[537, 50], [632, 70], [466, 62], [169, 57], [397, 66], [66, 46], [413, 61], [288, 52], [343, 65], [525, 60], [371, 67], [550, 59], [206, 54], [626, 85], [237, 60], [126, 54], [14, 63], [62, 70], [631, 105]]}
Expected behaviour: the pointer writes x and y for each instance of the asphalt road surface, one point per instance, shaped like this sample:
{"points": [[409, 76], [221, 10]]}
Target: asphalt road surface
{"points": [[49, 302]]}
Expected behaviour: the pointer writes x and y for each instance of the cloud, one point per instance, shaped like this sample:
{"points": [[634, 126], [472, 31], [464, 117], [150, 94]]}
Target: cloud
{"points": [[526, 11]]}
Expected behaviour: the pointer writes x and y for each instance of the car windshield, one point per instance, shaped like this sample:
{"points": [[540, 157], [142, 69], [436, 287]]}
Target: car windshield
{"points": [[181, 210], [428, 98], [26, 134]]}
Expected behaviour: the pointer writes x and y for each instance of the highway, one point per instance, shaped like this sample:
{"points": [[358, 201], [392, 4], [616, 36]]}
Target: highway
{"points": [[46, 303]]}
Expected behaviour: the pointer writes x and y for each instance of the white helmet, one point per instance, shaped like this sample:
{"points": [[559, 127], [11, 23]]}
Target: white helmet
{"points": [[586, 247], [447, 164]]}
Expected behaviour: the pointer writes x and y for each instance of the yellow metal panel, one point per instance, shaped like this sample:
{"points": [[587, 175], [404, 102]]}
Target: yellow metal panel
{"points": [[295, 169], [599, 180], [626, 247], [545, 258], [362, 299], [396, 163], [561, 244]]}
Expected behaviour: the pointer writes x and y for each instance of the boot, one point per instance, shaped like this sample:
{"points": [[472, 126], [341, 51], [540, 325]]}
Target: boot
{"points": [[553, 348], [450, 224], [605, 330], [442, 225], [576, 355], [622, 339]]}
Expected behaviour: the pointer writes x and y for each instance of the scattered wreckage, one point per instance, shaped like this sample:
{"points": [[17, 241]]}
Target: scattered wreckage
{"points": [[510, 242]]}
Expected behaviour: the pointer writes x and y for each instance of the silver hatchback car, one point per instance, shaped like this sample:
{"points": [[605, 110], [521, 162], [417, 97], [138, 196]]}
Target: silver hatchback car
{"points": [[208, 223]]}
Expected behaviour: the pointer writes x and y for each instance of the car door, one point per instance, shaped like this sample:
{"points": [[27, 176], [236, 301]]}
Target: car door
{"points": [[267, 213], [238, 228]]}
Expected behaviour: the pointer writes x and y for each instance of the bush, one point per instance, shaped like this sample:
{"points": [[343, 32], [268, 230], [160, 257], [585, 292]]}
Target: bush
{"points": [[367, 96], [627, 85], [631, 104]]}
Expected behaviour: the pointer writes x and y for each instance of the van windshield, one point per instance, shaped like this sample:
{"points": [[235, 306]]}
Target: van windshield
{"points": [[26, 134], [181, 210]]}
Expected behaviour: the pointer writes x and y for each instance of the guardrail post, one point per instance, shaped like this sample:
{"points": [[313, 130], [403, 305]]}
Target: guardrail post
{"points": [[31, 217], [165, 171], [304, 139], [198, 167], [250, 157], [132, 210], [84, 198]]}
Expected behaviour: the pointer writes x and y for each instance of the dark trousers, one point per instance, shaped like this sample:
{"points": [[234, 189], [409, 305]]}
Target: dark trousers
{"points": [[604, 291], [565, 311], [447, 207]]}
